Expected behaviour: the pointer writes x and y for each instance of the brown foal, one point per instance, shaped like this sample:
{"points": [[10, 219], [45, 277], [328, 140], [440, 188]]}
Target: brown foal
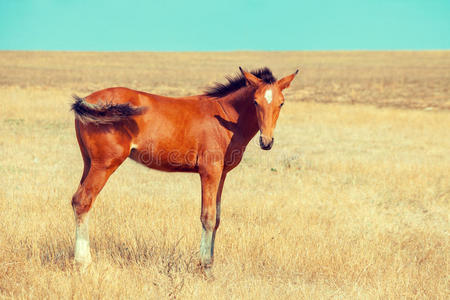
{"points": [[206, 134]]}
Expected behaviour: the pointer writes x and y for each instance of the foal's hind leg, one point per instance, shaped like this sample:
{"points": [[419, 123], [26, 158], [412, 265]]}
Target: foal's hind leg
{"points": [[98, 166], [82, 201]]}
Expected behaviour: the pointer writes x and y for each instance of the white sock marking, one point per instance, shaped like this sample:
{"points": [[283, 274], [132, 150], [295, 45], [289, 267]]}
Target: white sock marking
{"points": [[268, 96], [82, 250], [205, 247]]}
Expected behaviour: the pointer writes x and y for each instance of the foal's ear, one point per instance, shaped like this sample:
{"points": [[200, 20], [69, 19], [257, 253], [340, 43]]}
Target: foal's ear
{"points": [[250, 78], [285, 82]]}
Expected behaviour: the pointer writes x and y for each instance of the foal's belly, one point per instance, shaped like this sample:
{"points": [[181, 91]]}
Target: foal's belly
{"points": [[163, 160]]}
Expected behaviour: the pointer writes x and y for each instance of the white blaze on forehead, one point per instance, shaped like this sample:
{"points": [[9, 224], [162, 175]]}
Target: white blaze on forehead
{"points": [[268, 96]]}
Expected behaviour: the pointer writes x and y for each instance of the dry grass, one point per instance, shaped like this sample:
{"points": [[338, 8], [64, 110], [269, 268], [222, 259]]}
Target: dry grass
{"points": [[352, 201], [401, 79]]}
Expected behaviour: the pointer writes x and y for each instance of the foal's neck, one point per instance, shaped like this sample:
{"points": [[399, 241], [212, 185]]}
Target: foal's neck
{"points": [[240, 110]]}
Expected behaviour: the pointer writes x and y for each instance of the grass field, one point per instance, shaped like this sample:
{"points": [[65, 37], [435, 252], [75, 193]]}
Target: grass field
{"points": [[352, 201]]}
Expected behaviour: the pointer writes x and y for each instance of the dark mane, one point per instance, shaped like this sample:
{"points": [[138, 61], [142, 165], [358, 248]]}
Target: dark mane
{"points": [[238, 81]]}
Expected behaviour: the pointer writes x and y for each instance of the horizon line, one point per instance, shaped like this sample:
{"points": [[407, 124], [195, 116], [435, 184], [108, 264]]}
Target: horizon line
{"points": [[227, 51]]}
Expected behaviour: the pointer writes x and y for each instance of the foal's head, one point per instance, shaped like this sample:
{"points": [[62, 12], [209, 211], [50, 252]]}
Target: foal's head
{"points": [[268, 102]]}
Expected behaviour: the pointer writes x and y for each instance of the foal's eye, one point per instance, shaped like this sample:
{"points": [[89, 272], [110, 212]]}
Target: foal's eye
{"points": [[282, 103], [256, 103]]}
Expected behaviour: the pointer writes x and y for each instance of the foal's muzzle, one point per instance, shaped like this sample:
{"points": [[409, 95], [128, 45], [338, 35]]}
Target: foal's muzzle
{"points": [[265, 143]]}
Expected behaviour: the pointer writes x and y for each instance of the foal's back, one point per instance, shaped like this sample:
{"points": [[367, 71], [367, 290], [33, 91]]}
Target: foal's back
{"points": [[171, 132]]}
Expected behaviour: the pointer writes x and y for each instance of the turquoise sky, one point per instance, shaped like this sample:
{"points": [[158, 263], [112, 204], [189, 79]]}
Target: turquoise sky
{"points": [[223, 25]]}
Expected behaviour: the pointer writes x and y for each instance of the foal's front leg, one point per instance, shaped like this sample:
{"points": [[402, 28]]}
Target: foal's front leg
{"points": [[218, 203], [210, 177]]}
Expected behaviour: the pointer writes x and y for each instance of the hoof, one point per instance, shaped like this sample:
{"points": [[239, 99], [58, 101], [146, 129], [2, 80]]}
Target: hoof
{"points": [[205, 272], [205, 269], [206, 262], [81, 266], [83, 261], [208, 274]]}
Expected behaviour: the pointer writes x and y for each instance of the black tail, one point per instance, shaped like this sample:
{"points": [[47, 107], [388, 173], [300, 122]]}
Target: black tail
{"points": [[103, 113]]}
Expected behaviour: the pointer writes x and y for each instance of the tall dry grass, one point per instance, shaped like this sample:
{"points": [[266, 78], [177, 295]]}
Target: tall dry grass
{"points": [[352, 201]]}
